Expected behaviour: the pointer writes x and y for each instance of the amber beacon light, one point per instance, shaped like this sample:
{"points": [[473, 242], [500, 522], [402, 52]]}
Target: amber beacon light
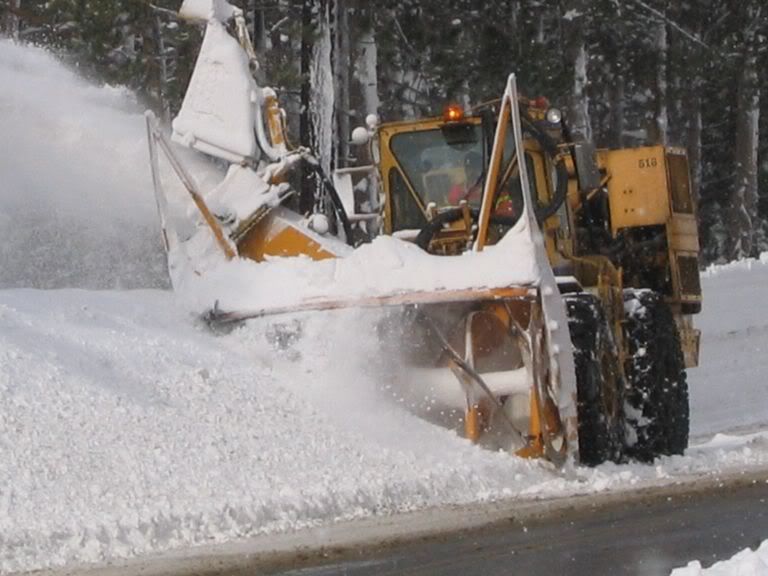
{"points": [[453, 113]]}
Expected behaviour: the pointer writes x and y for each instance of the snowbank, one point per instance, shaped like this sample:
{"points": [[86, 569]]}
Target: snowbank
{"points": [[745, 563], [745, 264], [125, 430], [729, 389]]}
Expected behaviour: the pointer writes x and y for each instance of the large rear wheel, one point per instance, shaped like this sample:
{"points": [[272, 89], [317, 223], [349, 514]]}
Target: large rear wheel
{"points": [[657, 396], [599, 383]]}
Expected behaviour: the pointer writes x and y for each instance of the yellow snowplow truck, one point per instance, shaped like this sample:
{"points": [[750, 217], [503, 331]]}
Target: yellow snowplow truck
{"points": [[538, 292], [620, 232]]}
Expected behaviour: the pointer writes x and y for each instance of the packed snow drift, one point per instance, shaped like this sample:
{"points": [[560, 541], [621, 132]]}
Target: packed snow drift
{"points": [[126, 428]]}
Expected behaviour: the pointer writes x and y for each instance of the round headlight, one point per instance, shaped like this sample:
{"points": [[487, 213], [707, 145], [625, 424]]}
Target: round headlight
{"points": [[554, 116]]}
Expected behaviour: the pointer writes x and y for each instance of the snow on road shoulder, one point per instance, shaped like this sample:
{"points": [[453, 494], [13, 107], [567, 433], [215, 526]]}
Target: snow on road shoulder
{"points": [[748, 562], [729, 389], [126, 429]]}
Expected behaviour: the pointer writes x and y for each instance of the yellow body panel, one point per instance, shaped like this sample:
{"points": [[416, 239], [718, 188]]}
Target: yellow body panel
{"points": [[637, 186], [274, 236]]}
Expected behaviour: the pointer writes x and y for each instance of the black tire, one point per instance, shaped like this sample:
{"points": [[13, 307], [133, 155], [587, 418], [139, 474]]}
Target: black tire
{"points": [[599, 383], [657, 408]]}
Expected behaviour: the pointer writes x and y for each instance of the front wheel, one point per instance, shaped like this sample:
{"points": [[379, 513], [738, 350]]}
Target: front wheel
{"points": [[657, 398], [599, 383]]}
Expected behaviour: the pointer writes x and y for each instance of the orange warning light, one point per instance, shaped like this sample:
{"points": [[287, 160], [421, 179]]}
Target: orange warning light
{"points": [[453, 113]]}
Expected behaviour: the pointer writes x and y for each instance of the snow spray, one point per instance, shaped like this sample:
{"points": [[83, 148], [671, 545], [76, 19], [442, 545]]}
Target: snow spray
{"points": [[76, 201]]}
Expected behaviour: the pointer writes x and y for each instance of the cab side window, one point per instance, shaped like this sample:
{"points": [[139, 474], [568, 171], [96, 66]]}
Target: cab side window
{"points": [[406, 214]]}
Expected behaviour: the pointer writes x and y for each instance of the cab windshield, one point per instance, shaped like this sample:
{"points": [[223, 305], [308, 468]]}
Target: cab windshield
{"points": [[446, 166]]}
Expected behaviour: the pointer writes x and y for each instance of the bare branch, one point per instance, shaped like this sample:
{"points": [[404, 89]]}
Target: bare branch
{"points": [[278, 24], [402, 34], [671, 22], [164, 10]]}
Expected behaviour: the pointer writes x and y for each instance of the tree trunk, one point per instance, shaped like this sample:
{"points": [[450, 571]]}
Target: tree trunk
{"points": [[307, 196], [255, 15], [366, 70], [617, 112], [658, 131], [691, 90], [576, 57], [162, 59], [342, 63], [742, 209], [693, 136], [10, 23], [323, 99]]}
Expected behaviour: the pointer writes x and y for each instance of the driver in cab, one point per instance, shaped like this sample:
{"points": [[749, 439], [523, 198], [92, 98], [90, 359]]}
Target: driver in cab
{"points": [[472, 188]]}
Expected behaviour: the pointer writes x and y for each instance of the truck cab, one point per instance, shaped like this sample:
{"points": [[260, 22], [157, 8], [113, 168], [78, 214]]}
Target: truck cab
{"points": [[612, 219]]}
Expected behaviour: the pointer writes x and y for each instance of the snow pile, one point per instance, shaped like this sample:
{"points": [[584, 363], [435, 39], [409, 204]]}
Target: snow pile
{"points": [[126, 430], [729, 389], [745, 563], [387, 266], [76, 203]]}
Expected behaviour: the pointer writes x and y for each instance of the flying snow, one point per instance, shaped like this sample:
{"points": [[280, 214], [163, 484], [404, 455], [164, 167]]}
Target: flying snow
{"points": [[76, 202]]}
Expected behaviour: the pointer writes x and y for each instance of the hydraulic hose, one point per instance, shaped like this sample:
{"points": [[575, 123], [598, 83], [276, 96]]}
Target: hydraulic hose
{"points": [[338, 207], [544, 211]]}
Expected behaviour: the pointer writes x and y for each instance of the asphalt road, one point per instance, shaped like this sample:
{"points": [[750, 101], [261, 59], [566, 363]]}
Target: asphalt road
{"points": [[646, 537]]}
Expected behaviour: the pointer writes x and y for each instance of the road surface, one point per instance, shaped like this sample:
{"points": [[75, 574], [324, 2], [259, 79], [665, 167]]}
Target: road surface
{"points": [[650, 536]]}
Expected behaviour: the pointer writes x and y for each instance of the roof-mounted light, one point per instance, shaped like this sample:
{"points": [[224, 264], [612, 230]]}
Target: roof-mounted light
{"points": [[453, 113], [554, 116]]}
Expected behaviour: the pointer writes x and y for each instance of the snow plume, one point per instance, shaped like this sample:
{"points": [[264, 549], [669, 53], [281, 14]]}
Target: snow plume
{"points": [[350, 371], [76, 202]]}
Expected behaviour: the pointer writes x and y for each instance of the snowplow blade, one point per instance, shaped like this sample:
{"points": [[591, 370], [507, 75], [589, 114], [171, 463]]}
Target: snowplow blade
{"points": [[479, 356], [218, 319]]}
